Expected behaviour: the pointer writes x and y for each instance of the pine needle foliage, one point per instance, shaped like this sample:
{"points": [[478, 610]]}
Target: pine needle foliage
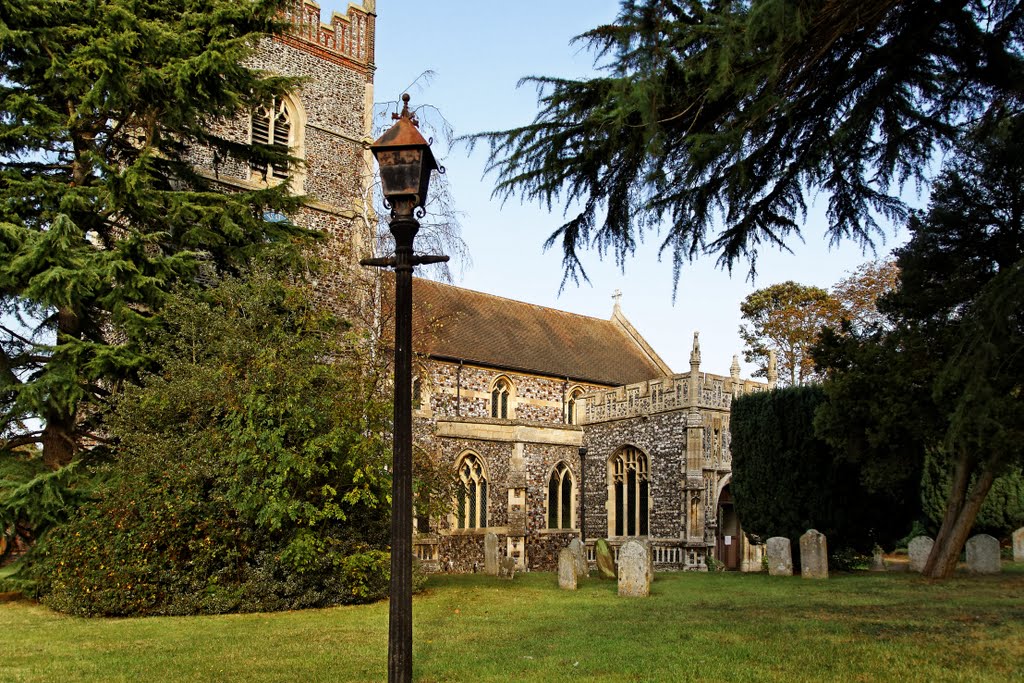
{"points": [[105, 106], [712, 122]]}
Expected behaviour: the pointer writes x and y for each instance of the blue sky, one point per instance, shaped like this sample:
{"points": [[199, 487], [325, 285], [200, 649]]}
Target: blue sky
{"points": [[478, 51]]}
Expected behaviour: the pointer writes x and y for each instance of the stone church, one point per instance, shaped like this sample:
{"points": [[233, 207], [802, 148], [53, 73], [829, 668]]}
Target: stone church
{"points": [[554, 425]]}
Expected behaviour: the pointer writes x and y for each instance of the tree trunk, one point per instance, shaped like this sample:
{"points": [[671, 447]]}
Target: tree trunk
{"points": [[962, 508], [58, 442], [58, 438]]}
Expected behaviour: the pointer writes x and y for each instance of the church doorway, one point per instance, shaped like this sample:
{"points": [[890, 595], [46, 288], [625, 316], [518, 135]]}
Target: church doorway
{"points": [[728, 538]]}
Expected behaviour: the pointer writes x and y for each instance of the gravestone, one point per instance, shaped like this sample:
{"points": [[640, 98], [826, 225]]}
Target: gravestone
{"points": [[983, 555], [918, 550], [877, 561], [780, 556], [1018, 545], [491, 553], [813, 555], [650, 561], [566, 569], [507, 568], [634, 569], [579, 552], [605, 559]]}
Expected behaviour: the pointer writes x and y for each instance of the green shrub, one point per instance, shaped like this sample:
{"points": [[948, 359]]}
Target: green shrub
{"points": [[250, 474]]}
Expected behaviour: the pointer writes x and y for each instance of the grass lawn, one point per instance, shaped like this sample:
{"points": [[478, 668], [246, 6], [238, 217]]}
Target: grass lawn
{"points": [[724, 627]]}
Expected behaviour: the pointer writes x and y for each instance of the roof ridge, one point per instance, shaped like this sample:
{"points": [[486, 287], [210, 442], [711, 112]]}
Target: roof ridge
{"points": [[515, 301]]}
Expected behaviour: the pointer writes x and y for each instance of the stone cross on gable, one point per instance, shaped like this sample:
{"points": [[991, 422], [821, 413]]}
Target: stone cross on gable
{"points": [[617, 297]]}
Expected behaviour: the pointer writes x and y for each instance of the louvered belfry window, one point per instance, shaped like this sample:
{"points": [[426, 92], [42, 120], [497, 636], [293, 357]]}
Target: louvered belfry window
{"points": [[272, 125]]}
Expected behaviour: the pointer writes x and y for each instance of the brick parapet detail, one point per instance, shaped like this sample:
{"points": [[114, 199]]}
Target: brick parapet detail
{"points": [[348, 39]]}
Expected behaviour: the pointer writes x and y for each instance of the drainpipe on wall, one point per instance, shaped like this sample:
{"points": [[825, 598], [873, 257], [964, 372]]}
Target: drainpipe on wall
{"points": [[565, 387], [458, 390], [583, 498]]}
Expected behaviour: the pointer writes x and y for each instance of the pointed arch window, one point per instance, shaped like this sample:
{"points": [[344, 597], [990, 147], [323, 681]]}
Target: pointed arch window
{"points": [[500, 395], [629, 491], [560, 498], [274, 125], [471, 493], [417, 393], [571, 406]]}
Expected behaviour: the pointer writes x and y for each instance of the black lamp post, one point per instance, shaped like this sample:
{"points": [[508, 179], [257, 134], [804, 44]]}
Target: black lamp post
{"points": [[405, 162]]}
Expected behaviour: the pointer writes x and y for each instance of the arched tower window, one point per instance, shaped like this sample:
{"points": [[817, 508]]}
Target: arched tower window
{"points": [[560, 498], [571, 405], [417, 393], [278, 124], [500, 399], [471, 493], [628, 491]]}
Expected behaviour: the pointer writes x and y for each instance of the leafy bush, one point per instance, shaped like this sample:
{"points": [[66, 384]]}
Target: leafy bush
{"points": [[249, 474]]}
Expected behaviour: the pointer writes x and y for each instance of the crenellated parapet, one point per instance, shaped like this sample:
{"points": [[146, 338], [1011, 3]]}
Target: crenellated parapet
{"points": [[348, 38], [664, 395]]}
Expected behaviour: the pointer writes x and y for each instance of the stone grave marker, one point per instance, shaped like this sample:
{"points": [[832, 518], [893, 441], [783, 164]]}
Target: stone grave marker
{"points": [[1018, 545], [634, 568], [813, 555], [566, 569], [780, 556], [507, 568], [877, 561], [918, 550], [605, 559], [983, 554], [579, 551], [650, 561], [491, 553]]}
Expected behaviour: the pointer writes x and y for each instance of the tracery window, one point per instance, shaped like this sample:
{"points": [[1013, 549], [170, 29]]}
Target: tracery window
{"points": [[560, 498], [629, 491], [571, 405], [471, 493], [500, 398], [274, 125]]}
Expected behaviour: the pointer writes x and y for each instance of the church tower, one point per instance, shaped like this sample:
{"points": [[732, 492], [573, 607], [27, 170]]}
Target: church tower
{"points": [[326, 121]]}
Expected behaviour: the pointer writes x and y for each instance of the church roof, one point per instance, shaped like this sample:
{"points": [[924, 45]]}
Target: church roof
{"points": [[464, 325]]}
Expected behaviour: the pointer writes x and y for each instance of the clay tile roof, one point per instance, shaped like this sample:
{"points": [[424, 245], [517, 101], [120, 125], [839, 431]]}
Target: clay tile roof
{"points": [[462, 324]]}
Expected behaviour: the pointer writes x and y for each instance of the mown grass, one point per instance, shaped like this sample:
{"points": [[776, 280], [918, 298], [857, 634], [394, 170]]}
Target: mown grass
{"points": [[853, 627]]}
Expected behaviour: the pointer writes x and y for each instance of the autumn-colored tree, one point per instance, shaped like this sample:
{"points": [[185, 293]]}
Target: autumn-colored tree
{"points": [[786, 318], [857, 295]]}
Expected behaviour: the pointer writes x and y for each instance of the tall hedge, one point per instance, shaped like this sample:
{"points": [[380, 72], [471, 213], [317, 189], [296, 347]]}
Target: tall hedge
{"points": [[786, 480]]}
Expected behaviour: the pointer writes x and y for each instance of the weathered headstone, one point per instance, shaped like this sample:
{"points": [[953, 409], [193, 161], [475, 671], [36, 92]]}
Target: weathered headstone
{"points": [[579, 552], [983, 554], [918, 550], [780, 556], [813, 555], [566, 569], [1018, 545], [877, 561], [491, 553], [650, 561], [634, 569], [507, 568], [605, 559]]}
